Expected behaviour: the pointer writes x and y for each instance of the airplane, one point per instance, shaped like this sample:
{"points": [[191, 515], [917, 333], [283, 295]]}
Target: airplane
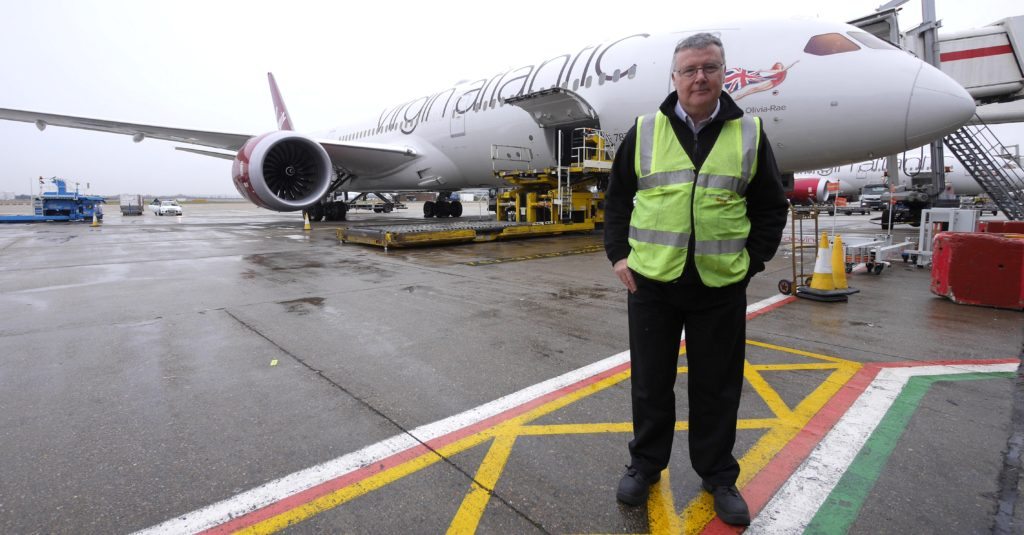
{"points": [[828, 94], [852, 177]]}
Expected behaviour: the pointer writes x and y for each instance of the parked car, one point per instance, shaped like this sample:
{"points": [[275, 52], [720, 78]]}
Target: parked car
{"points": [[166, 208]]}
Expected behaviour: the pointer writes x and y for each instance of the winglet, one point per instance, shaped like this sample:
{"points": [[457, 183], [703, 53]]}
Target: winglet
{"points": [[284, 121]]}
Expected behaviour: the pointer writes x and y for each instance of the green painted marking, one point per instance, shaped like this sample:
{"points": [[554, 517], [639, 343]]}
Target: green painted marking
{"points": [[843, 504]]}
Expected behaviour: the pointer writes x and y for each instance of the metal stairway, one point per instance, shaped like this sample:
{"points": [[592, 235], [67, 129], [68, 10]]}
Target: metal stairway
{"points": [[976, 147]]}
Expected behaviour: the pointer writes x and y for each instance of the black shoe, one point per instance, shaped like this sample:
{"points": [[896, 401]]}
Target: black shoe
{"points": [[634, 486], [729, 505]]}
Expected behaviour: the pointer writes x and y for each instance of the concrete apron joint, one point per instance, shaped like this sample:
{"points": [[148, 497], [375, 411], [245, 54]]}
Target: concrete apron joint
{"points": [[1007, 508], [391, 421]]}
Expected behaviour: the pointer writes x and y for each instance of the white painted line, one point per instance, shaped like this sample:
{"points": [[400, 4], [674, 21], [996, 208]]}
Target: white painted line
{"points": [[294, 483], [795, 504]]}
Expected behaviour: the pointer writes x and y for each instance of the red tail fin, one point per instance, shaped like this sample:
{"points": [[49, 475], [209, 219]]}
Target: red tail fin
{"points": [[284, 121]]}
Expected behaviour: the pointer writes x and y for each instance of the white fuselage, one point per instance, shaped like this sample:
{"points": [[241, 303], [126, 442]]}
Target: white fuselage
{"points": [[819, 109], [853, 177]]}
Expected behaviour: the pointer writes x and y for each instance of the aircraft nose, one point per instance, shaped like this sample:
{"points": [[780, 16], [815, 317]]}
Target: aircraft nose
{"points": [[938, 105]]}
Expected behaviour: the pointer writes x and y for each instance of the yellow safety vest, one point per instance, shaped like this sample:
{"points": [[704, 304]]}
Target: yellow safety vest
{"points": [[659, 229]]}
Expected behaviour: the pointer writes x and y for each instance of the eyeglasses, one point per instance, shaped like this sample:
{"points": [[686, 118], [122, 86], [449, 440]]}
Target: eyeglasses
{"points": [[709, 69]]}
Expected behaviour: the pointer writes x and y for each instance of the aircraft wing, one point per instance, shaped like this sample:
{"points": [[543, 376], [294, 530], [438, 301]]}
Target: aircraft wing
{"points": [[366, 159], [218, 140]]}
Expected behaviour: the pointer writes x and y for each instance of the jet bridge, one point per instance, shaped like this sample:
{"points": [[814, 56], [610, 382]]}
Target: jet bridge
{"points": [[989, 63]]}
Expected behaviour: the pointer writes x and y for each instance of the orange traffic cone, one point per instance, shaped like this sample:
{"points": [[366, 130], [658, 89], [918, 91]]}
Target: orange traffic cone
{"points": [[305, 216], [95, 221]]}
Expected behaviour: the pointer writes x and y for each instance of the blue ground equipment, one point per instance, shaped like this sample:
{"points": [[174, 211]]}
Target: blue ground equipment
{"points": [[60, 206]]}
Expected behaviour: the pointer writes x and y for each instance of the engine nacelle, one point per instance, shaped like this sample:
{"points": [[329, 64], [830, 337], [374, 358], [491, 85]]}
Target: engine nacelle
{"points": [[810, 191], [282, 171]]}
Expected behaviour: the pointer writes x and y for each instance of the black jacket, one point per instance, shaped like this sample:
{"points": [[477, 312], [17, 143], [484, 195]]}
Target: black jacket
{"points": [[767, 207]]}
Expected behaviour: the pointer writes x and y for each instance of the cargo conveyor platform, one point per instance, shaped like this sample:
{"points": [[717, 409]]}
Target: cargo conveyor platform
{"points": [[448, 232]]}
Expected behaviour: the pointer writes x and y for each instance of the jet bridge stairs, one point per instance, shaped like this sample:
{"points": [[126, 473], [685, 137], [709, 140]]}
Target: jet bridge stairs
{"points": [[979, 151]]}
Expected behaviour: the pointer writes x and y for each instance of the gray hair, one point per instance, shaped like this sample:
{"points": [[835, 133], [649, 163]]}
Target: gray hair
{"points": [[700, 41]]}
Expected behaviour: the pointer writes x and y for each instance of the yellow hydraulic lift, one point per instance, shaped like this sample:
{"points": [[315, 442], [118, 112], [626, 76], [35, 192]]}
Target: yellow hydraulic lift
{"points": [[564, 194], [538, 202]]}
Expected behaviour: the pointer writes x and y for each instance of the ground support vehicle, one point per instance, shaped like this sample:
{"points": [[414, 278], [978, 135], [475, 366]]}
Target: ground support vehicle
{"points": [[842, 206], [131, 204], [980, 203], [61, 205], [444, 232], [871, 196], [378, 202], [937, 220], [876, 254], [905, 206], [540, 202], [336, 206], [572, 192]]}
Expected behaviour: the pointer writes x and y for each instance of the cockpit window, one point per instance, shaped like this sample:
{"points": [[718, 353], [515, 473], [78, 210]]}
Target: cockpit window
{"points": [[872, 41], [827, 44]]}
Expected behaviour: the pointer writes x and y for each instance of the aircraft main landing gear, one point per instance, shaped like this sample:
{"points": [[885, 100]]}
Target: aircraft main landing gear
{"points": [[442, 208]]}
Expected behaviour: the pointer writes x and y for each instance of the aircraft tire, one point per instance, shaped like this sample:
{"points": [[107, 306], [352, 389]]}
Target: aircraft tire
{"points": [[443, 208], [456, 209], [429, 209], [316, 213]]}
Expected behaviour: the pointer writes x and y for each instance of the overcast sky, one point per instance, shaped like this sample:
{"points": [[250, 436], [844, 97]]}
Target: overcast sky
{"points": [[203, 64]]}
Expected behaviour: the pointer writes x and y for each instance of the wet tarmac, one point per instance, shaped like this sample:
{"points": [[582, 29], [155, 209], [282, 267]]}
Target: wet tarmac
{"points": [[227, 370]]}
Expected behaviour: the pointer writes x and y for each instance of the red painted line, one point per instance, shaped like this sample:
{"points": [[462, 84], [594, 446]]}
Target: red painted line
{"points": [[771, 307], [976, 53]]}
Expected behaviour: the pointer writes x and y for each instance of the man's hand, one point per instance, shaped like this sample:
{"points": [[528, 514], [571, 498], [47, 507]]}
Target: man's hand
{"points": [[625, 275]]}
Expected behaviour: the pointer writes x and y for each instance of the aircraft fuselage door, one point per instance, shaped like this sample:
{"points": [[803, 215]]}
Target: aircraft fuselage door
{"points": [[558, 110]]}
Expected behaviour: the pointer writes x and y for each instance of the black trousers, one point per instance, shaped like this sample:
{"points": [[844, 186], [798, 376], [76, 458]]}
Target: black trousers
{"points": [[715, 324]]}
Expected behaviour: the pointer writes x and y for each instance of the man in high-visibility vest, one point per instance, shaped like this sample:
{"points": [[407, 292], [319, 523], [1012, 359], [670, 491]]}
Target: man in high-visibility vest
{"points": [[695, 207]]}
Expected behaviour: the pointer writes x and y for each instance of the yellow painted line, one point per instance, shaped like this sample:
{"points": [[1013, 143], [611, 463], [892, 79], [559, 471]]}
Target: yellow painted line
{"points": [[661, 508], [758, 423], [770, 396], [575, 429], [700, 510], [790, 350], [793, 367], [474, 504]]}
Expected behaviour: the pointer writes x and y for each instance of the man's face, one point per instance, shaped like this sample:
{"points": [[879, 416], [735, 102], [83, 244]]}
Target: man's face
{"points": [[698, 94]]}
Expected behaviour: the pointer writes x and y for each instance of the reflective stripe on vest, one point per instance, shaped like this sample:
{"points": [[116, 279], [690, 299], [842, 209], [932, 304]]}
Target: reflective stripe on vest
{"points": [[668, 190]]}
